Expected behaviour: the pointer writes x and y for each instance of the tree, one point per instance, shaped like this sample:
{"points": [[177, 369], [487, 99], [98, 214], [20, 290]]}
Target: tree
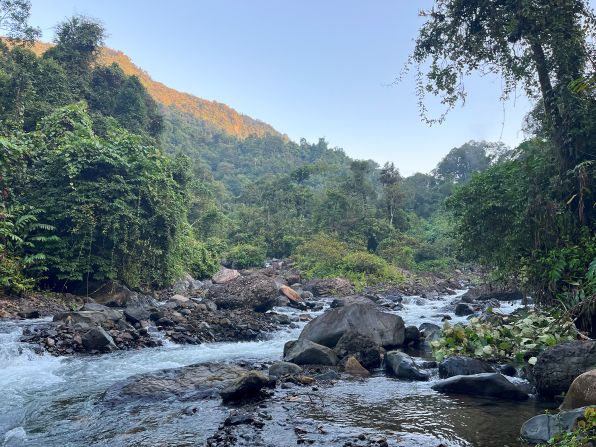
{"points": [[543, 45], [392, 191], [14, 15]]}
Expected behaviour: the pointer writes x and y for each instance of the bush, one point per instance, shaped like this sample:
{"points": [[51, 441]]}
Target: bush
{"points": [[243, 256], [504, 338], [398, 252], [326, 257], [200, 259], [583, 435]]}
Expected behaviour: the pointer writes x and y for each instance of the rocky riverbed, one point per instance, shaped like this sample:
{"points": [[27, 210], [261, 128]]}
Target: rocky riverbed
{"points": [[202, 366]]}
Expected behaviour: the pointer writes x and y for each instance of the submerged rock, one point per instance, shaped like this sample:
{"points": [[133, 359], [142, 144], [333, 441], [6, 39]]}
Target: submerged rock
{"points": [[485, 385], [582, 392], [462, 366], [305, 352], [402, 366], [558, 366], [384, 329], [543, 427]]}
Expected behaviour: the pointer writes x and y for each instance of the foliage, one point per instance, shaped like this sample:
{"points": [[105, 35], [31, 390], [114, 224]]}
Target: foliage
{"points": [[14, 15], [245, 255], [200, 259], [517, 337], [583, 434]]}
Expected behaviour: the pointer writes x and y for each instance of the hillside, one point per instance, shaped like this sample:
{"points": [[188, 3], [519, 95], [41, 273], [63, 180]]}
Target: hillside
{"points": [[214, 115]]}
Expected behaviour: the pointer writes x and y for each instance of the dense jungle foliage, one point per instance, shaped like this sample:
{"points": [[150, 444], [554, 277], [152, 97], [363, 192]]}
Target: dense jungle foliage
{"points": [[100, 182]]}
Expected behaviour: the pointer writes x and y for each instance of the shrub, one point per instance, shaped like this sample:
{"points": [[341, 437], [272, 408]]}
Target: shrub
{"points": [[583, 435], [243, 256], [504, 338], [199, 259]]}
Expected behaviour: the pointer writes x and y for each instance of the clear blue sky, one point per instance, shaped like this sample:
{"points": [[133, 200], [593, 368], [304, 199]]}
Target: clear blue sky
{"points": [[310, 68]]}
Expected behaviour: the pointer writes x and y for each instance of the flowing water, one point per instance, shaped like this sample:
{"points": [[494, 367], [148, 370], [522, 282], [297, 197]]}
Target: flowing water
{"points": [[49, 401]]}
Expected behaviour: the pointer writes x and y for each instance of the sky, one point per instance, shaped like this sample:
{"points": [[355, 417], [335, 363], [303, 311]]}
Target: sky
{"points": [[310, 68]]}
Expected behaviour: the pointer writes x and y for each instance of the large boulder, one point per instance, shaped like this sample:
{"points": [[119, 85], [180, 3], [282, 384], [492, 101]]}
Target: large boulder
{"points": [[246, 387], [257, 292], [543, 427], [558, 366], [485, 385], [352, 299], [117, 295], [330, 287], [582, 392], [225, 275], [97, 339], [402, 366], [366, 351], [305, 352], [87, 317], [462, 366], [384, 329]]}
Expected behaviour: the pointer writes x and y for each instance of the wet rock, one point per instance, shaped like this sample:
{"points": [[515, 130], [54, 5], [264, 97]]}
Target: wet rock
{"points": [[225, 275], [412, 335], [508, 370], [281, 301], [464, 366], [98, 339], [189, 382], [366, 351], [384, 329], [280, 369], [241, 418], [246, 387], [402, 366], [330, 287], [543, 427], [256, 292], [558, 366], [582, 392], [327, 376], [485, 385], [306, 352], [430, 331], [354, 368], [463, 309]]}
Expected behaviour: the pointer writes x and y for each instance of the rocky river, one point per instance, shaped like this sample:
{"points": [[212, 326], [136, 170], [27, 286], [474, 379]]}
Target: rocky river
{"points": [[61, 401]]}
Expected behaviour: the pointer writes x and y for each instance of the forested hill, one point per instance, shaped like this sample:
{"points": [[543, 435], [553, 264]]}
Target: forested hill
{"points": [[211, 115]]}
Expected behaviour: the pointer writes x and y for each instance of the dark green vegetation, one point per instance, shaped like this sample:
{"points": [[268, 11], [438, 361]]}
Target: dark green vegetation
{"points": [[99, 182], [531, 218]]}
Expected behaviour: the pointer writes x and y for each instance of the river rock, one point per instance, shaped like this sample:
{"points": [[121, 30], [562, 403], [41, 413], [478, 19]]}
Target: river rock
{"points": [[246, 387], [352, 299], [225, 275], [354, 368], [87, 317], [430, 331], [412, 335], [256, 292], [366, 351], [290, 294], [189, 382], [135, 315], [116, 295], [463, 309], [582, 392], [179, 299], [402, 366], [305, 352], [462, 366], [543, 427], [330, 287], [384, 329], [280, 369], [485, 385], [558, 366], [98, 339]]}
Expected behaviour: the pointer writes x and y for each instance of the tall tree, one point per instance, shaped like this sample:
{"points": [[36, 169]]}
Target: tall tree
{"points": [[14, 15]]}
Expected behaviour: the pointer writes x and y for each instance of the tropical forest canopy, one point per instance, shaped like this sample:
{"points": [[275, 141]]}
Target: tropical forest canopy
{"points": [[99, 181]]}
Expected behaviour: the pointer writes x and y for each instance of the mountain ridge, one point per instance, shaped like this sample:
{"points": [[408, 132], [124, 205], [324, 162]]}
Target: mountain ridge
{"points": [[215, 114]]}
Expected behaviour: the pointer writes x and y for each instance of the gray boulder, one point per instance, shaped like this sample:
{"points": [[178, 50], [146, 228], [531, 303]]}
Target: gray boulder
{"points": [[384, 329], [99, 340], [305, 352], [135, 315], [280, 369], [463, 309], [484, 385], [366, 351], [246, 387], [462, 366], [430, 331], [402, 366], [541, 428], [558, 366], [257, 292]]}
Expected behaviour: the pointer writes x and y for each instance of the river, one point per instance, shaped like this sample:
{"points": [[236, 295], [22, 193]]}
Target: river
{"points": [[51, 401]]}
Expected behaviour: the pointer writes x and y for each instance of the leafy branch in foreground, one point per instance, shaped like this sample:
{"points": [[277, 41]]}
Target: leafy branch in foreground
{"points": [[584, 434], [504, 337]]}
